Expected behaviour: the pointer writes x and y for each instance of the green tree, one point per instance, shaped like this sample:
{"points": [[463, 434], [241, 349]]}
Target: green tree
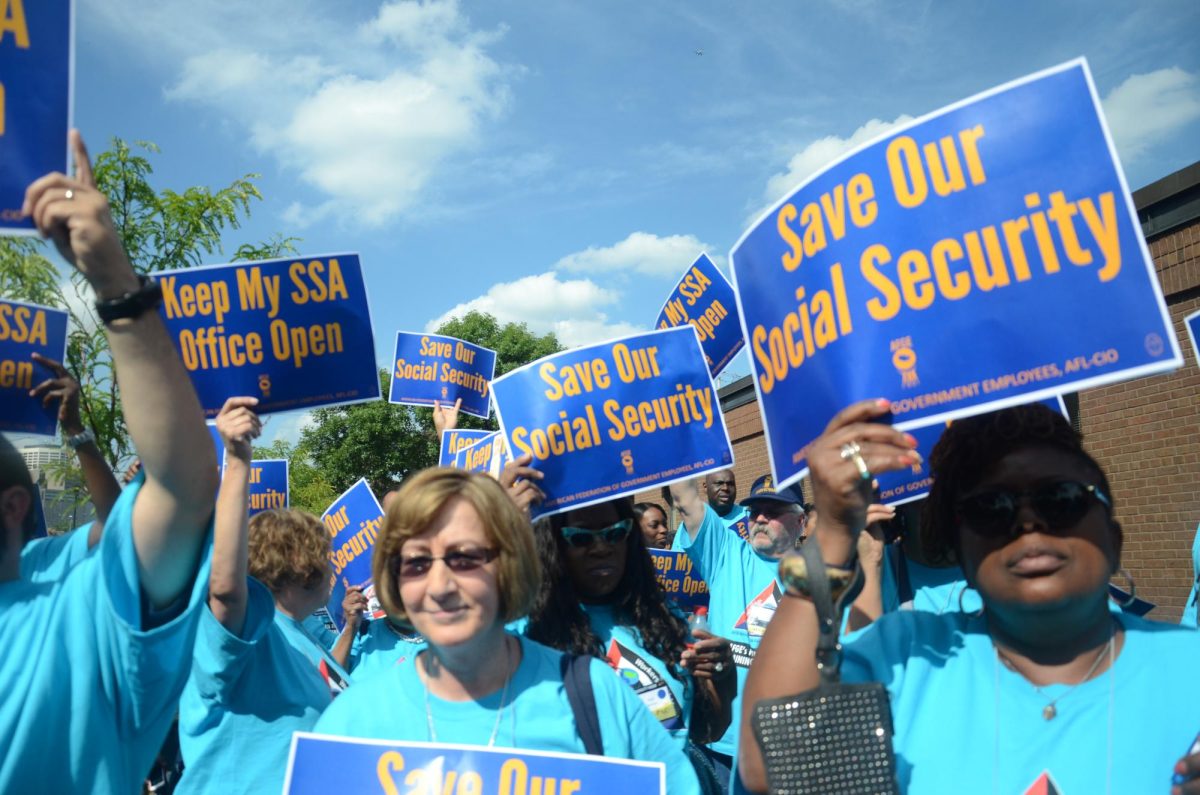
{"points": [[384, 442], [160, 230]]}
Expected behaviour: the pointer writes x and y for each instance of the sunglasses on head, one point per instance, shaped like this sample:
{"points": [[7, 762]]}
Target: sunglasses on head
{"points": [[582, 537], [1060, 505], [458, 561]]}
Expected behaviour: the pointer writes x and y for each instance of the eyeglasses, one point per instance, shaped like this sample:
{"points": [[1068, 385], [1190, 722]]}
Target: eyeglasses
{"points": [[772, 509], [458, 561], [1059, 504], [582, 537]]}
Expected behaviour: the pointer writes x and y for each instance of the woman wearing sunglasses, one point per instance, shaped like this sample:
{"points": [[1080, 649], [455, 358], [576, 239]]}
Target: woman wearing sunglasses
{"points": [[456, 561], [601, 597], [1045, 689]]}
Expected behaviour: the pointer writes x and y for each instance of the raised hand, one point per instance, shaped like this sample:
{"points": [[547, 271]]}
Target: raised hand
{"points": [[239, 426]]}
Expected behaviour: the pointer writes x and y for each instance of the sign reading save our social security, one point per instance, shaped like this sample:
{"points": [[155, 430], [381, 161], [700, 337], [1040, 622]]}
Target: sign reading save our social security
{"points": [[614, 418], [429, 368], [353, 522], [488, 455], [294, 333], [705, 299], [905, 485], [985, 255], [268, 484], [320, 764], [453, 441], [35, 99], [678, 580], [26, 329]]}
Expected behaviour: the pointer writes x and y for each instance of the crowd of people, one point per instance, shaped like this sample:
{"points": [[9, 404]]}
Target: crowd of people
{"points": [[983, 612]]}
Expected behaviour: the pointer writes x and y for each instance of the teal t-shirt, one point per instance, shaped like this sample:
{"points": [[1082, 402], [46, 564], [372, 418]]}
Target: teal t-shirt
{"points": [[379, 645], [50, 558], [320, 625], [668, 698], [1189, 609], [743, 594], [537, 716], [91, 694], [966, 723], [246, 695], [934, 590], [737, 520]]}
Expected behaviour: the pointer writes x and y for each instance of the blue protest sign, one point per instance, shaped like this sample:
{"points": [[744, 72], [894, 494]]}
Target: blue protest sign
{"points": [[1192, 322], [704, 298], [353, 522], [218, 445], [268, 484], [985, 255], [430, 367], [488, 455], [36, 53], [294, 333], [905, 485], [679, 583], [615, 418], [26, 329], [453, 441], [318, 764]]}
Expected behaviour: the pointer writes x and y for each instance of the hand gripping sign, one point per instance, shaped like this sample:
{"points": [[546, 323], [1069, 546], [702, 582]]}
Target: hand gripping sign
{"points": [[615, 418], [429, 367], [983, 256], [294, 333], [704, 298], [36, 57], [353, 523], [26, 329], [321, 764]]}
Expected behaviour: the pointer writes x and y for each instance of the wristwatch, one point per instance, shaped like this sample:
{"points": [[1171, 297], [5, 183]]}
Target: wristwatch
{"points": [[80, 439], [131, 305]]}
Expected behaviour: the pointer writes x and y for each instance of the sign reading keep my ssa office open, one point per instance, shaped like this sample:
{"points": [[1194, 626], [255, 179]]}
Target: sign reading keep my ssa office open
{"points": [[704, 298]]}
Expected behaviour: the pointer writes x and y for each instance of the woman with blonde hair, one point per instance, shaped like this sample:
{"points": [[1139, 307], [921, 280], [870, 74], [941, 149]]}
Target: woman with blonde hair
{"points": [[456, 560]]}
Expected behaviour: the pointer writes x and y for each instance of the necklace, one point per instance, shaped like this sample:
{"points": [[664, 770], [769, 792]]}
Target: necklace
{"points": [[1051, 710], [499, 712], [413, 638]]}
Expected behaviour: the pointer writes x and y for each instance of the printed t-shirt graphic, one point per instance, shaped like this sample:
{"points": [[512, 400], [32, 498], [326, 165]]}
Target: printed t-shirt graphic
{"points": [[651, 688], [1044, 786], [760, 611]]}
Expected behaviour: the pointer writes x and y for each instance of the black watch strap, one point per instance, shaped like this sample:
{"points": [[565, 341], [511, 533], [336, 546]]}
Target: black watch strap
{"points": [[130, 305]]}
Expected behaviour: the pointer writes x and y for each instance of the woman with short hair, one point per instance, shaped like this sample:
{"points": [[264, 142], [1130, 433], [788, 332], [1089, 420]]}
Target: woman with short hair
{"points": [[456, 561]]}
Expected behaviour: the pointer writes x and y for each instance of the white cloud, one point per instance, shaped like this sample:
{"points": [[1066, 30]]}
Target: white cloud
{"points": [[1148, 108], [820, 153], [366, 115], [572, 309], [641, 252]]}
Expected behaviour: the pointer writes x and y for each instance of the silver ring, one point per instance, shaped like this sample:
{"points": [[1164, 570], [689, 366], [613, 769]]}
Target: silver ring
{"points": [[849, 450], [719, 666], [70, 194]]}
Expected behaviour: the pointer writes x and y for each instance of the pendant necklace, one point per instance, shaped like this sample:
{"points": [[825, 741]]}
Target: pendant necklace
{"points": [[499, 712], [1051, 710]]}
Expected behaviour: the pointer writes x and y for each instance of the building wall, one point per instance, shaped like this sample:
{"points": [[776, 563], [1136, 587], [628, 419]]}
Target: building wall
{"points": [[1146, 434]]}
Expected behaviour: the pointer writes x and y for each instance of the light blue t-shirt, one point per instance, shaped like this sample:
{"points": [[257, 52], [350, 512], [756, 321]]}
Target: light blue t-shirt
{"points": [[1189, 609], [380, 645], [320, 625], [668, 698], [743, 594], [48, 559], [90, 694], [537, 715], [934, 590], [245, 697], [737, 521], [966, 723]]}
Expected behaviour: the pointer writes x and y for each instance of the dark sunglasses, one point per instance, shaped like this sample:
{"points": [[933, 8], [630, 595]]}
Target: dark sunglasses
{"points": [[582, 538], [1060, 505], [458, 561]]}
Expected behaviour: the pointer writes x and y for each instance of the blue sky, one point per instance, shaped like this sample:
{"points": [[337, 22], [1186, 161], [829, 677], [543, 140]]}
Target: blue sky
{"points": [[560, 163]]}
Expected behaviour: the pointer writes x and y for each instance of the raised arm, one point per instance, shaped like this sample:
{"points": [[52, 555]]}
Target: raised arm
{"points": [[98, 479], [227, 592], [688, 498], [166, 424], [785, 662], [354, 604]]}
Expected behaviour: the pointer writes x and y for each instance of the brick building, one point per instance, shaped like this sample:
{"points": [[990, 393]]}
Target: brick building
{"points": [[1146, 433]]}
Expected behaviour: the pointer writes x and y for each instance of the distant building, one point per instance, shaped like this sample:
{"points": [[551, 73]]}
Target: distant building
{"points": [[44, 462]]}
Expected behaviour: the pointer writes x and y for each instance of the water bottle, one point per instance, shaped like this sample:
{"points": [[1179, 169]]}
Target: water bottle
{"points": [[699, 621]]}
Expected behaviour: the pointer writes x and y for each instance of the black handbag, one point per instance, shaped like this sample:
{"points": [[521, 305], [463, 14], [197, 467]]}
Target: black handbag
{"points": [[835, 739]]}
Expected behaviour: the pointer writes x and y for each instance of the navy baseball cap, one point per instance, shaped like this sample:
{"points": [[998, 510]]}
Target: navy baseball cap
{"points": [[764, 489]]}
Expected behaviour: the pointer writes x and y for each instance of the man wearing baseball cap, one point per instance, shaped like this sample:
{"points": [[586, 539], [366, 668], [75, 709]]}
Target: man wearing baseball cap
{"points": [[741, 575]]}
